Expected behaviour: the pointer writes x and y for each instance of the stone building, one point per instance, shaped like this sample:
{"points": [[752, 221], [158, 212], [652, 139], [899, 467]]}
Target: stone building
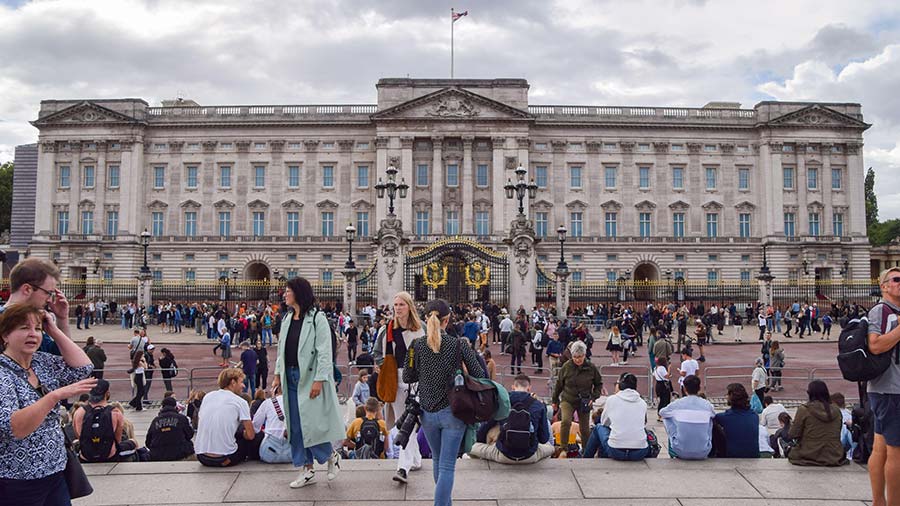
{"points": [[644, 192]]}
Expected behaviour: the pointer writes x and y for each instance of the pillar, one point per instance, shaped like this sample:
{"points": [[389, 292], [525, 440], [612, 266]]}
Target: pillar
{"points": [[390, 242], [562, 292], [523, 267], [350, 276], [467, 217], [437, 187]]}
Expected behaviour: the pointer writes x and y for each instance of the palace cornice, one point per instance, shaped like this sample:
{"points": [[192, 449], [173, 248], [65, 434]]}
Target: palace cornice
{"points": [[659, 126]]}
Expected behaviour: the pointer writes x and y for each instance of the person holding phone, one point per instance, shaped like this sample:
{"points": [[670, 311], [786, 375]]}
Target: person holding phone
{"points": [[34, 281]]}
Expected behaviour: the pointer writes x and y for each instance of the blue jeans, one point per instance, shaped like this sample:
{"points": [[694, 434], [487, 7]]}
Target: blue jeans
{"points": [[444, 433], [250, 382], [300, 455], [266, 332], [600, 436]]}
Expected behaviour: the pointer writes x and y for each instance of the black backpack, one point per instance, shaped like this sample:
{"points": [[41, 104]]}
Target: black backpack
{"points": [[97, 434], [857, 363], [368, 442], [517, 432]]}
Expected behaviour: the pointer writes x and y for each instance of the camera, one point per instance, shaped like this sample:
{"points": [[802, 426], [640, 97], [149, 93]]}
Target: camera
{"points": [[408, 421]]}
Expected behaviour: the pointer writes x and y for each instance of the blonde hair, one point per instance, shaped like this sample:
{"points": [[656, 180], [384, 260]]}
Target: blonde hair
{"points": [[228, 375], [433, 332], [412, 320]]}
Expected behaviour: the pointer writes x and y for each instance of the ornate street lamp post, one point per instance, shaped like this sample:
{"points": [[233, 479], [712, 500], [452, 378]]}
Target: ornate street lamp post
{"points": [[392, 188], [145, 242], [561, 235], [520, 189], [765, 277], [351, 236]]}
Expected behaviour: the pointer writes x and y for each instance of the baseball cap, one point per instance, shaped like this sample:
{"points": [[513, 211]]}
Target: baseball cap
{"points": [[151, 347], [99, 391]]}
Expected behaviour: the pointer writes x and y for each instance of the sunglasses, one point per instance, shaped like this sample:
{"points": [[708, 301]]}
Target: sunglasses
{"points": [[895, 279], [48, 292]]}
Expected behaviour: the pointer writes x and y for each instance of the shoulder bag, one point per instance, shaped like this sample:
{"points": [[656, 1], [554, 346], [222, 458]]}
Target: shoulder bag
{"points": [[470, 400], [386, 386]]}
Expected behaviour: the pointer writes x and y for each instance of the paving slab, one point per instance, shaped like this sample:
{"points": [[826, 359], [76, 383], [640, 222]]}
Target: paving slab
{"points": [[501, 484], [629, 484], [596, 502], [769, 502], [97, 469], [810, 484], [158, 489], [273, 486], [560, 464], [749, 464]]}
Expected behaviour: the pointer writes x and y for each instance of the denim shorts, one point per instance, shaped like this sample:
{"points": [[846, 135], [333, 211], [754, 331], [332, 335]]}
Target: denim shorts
{"points": [[887, 423]]}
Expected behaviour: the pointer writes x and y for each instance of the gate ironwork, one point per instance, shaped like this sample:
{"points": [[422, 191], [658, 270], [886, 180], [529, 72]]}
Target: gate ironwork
{"points": [[459, 271], [367, 288]]}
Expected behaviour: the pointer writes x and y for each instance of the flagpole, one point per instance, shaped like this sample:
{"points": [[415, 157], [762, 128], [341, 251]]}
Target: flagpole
{"points": [[451, 42]]}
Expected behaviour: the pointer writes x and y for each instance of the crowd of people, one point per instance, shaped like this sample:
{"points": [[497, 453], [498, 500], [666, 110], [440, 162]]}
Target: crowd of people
{"points": [[413, 360]]}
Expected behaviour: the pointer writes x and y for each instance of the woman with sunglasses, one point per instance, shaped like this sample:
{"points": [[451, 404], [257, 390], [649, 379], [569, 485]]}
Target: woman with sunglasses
{"points": [[32, 383]]}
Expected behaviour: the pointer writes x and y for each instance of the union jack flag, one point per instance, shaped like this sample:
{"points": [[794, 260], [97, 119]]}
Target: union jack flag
{"points": [[457, 15]]}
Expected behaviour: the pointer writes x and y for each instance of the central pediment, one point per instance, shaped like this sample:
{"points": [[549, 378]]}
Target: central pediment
{"points": [[454, 104]]}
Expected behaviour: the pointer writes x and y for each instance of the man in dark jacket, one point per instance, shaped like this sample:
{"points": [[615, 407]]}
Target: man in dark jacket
{"points": [[505, 441], [170, 433], [98, 357]]}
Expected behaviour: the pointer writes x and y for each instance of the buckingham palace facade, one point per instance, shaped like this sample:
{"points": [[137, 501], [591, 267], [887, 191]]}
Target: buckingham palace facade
{"points": [[644, 192]]}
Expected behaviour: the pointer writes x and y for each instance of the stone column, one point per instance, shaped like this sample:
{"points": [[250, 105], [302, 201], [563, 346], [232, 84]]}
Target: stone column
{"points": [[467, 217], [499, 181], [523, 278], [437, 187], [405, 206], [309, 213], [350, 290], [381, 165], [855, 224], [562, 291], [47, 184], [145, 290], [390, 243]]}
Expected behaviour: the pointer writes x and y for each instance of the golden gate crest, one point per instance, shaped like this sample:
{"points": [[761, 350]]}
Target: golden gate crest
{"points": [[478, 275]]}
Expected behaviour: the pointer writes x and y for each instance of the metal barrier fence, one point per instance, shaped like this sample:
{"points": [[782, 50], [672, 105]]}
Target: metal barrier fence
{"points": [[794, 380], [120, 382]]}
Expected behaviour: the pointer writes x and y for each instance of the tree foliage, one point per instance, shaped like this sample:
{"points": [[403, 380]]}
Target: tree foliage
{"points": [[6, 189], [871, 202]]}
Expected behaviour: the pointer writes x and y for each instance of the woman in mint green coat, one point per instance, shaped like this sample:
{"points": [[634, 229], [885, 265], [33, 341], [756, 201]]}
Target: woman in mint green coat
{"points": [[305, 371]]}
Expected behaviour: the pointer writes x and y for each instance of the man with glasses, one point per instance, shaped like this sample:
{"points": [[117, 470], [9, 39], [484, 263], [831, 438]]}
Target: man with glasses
{"points": [[884, 393], [34, 281]]}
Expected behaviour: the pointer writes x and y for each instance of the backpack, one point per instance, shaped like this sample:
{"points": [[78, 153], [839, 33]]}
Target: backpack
{"points": [[517, 432], [368, 442], [857, 363], [652, 444], [97, 434], [537, 341]]}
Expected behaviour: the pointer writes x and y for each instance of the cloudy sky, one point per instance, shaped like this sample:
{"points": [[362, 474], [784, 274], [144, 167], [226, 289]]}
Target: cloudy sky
{"points": [[663, 52]]}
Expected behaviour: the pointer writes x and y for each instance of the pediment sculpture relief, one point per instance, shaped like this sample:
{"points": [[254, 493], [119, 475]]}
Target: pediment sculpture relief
{"points": [[452, 107]]}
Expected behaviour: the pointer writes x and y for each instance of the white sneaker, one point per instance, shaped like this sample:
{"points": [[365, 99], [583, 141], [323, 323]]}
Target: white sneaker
{"points": [[334, 465], [306, 477]]}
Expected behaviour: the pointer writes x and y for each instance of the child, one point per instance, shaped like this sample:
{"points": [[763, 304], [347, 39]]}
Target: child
{"points": [[361, 391], [738, 327], [368, 436], [491, 365], [225, 345], [826, 326]]}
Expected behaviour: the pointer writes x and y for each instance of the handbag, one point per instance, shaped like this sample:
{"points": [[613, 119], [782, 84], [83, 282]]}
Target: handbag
{"points": [[471, 401], [386, 386]]}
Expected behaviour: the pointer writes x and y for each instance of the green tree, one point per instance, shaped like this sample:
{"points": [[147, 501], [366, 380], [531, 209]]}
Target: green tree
{"points": [[871, 202], [6, 190]]}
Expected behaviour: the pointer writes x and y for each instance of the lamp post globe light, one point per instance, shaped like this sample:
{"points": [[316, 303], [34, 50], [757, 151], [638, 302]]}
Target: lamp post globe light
{"points": [[351, 236], [561, 235], [145, 243], [392, 188], [520, 188]]}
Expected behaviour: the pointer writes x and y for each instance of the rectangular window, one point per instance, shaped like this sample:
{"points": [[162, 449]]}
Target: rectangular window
{"points": [[679, 258], [327, 276], [644, 222], [452, 227], [327, 176], [644, 178], [814, 224], [743, 179], [190, 276], [712, 225], [423, 223], [678, 178], [609, 177], [293, 223], [107, 274], [481, 223], [422, 175], [88, 176], [788, 173], [712, 258], [789, 225], [712, 277], [611, 224], [224, 223], [157, 276], [710, 178], [612, 257], [112, 179], [836, 176], [575, 177], [540, 224], [744, 224], [812, 179], [87, 222], [481, 176], [259, 223], [65, 173], [259, 176], [62, 222], [112, 222], [156, 223], [362, 176], [575, 225], [837, 224], [540, 176], [362, 223], [745, 275], [191, 172], [678, 224], [225, 176], [577, 277], [327, 223], [190, 223], [453, 175], [293, 176], [159, 178], [611, 276]]}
